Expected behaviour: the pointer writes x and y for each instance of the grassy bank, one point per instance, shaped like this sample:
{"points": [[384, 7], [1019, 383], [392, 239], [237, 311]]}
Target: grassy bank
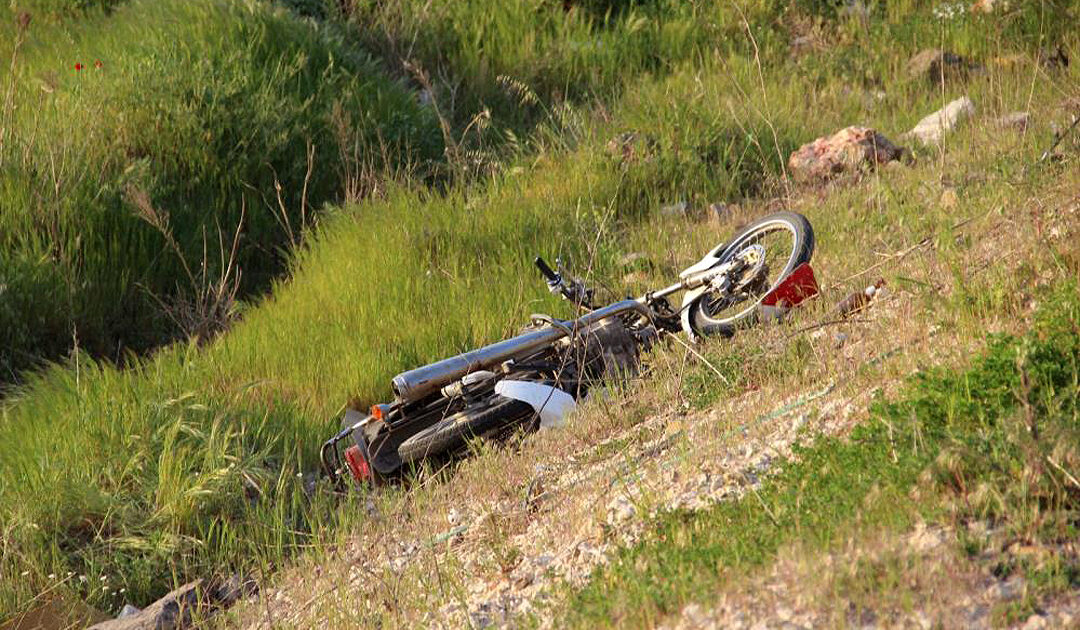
{"points": [[186, 464], [974, 444], [160, 150]]}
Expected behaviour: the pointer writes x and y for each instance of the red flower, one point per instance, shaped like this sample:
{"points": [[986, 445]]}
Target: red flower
{"points": [[78, 66], [97, 64]]}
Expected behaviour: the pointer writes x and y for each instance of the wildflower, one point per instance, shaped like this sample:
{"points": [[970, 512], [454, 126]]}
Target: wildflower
{"points": [[52, 576], [97, 64], [78, 66]]}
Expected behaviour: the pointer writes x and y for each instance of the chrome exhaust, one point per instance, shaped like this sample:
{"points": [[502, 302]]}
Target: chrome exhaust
{"points": [[416, 384]]}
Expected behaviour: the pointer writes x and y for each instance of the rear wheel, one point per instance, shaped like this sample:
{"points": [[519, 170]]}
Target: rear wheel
{"points": [[784, 240], [452, 432]]}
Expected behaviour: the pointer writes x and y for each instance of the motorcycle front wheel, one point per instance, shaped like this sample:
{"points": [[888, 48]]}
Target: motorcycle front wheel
{"points": [[786, 240]]}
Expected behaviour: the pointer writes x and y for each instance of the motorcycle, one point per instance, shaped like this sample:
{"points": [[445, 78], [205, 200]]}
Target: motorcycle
{"points": [[534, 379]]}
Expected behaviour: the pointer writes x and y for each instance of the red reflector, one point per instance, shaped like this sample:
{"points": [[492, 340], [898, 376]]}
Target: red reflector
{"points": [[798, 286], [358, 465]]}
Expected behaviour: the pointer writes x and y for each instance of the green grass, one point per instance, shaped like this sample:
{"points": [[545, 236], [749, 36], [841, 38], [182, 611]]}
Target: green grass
{"points": [[185, 463], [965, 432], [203, 107]]}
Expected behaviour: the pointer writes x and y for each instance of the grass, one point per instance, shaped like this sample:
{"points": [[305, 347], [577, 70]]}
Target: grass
{"points": [[978, 440], [185, 463], [193, 113]]}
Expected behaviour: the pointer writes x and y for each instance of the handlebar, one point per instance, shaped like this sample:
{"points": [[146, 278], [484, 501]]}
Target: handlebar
{"points": [[548, 272]]}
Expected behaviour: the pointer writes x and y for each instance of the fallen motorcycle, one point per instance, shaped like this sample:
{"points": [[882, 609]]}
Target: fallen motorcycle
{"points": [[532, 380]]}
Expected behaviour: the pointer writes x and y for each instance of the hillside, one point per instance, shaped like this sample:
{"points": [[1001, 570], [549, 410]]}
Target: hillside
{"points": [[915, 462]]}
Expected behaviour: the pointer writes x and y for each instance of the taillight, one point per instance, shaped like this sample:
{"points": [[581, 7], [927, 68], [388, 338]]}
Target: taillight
{"points": [[358, 464]]}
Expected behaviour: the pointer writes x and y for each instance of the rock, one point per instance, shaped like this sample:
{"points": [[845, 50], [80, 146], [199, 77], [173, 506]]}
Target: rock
{"points": [[175, 610], [620, 509], [675, 210], [1034, 622], [1054, 58], [633, 259], [631, 146], [127, 611], [932, 129], [988, 6], [1016, 120], [936, 65], [1007, 590], [847, 149], [803, 44], [178, 608], [717, 213]]}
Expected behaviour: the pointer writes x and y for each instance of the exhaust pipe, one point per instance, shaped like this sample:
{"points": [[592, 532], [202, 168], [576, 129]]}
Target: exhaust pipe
{"points": [[416, 384]]}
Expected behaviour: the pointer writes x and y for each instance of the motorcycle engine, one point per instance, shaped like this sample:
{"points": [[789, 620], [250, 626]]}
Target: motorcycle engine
{"points": [[610, 350]]}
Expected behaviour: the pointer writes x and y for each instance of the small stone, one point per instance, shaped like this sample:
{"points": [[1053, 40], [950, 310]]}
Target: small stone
{"points": [[717, 213], [931, 129], [936, 65], [987, 6], [128, 610], [1007, 590], [1034, 622], [675, 210], [1016, 120], [620, 509]]}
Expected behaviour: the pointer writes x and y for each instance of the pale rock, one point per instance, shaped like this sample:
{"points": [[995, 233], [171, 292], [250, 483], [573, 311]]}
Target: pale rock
{"points": [[1007, 590], [717, 213], [931, 129], [988, 6], [620, 510], [177, 608], [846, 150], [678, 209], [936, 65], [1034, 622], [1016, 120]]}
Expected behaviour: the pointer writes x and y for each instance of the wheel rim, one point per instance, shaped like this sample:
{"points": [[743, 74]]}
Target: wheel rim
{"points": [[779, 255]]}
